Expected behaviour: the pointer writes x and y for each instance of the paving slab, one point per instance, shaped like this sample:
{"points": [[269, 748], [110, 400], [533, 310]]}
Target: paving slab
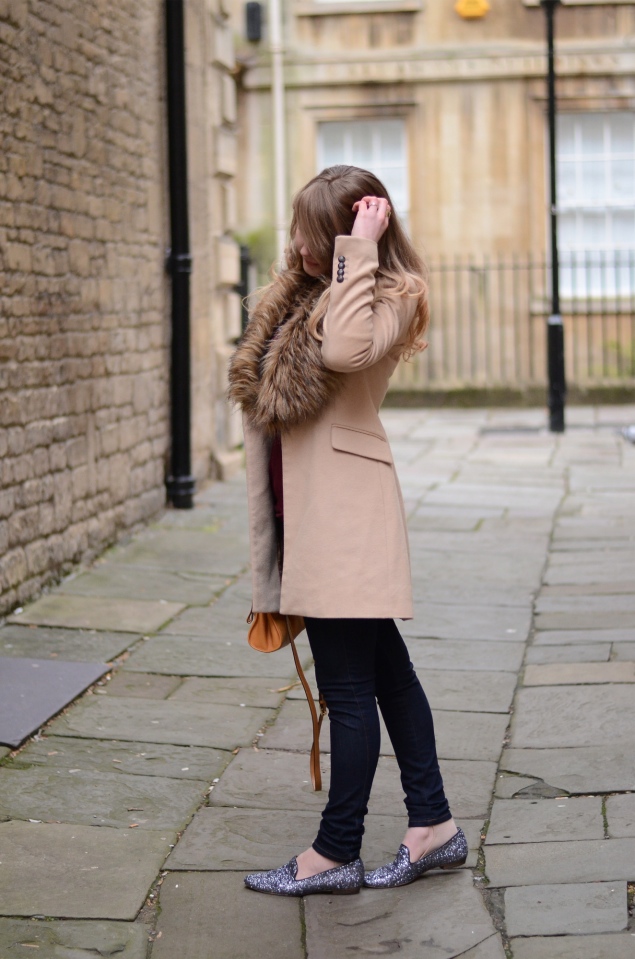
{"points": [[222, 620], [42, 642], [557, 637], [195, 656], [207, 519], [618, 619], [186, 550], [477, 655], [491, 948], [162, 721], [452, 689], [588, 600], [585, 769], [572, 909], [493, 623], [437, 916], [545, 820], [457, 690], [607, 946], [566, 674], [519, 569], [222, 838], [526, 864], [577, 573], [140, 685], [492, 593], [92, 798], [623, 651], [620, 814], [77, 872], [574, 653], [118, 581], [129, 758], [65, 938], [574, 716], [95, 612], [33, 690], [267, 779], [233, 691], [595, 589], [459, 735], [508, 786], [213, 916]]}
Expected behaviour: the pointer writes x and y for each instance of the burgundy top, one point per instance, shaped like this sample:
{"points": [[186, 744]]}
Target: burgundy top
{"points": [[275, 476]]}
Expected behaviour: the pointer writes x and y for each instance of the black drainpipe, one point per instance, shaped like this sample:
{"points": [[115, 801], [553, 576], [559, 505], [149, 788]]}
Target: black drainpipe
{"points": [[180, 482]]}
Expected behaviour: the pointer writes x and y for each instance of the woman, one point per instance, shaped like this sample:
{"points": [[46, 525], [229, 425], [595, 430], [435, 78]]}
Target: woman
{"points": [[327, 524]]}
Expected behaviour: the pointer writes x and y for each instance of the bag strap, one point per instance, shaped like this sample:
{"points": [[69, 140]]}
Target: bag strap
{"points": [[316, 772]]}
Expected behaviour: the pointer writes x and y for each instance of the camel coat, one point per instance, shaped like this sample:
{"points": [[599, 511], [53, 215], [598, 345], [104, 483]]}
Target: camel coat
{"points": [[345, 541]]}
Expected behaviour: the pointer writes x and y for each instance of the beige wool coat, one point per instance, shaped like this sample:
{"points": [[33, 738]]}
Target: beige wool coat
{"points": [[345, 540]]}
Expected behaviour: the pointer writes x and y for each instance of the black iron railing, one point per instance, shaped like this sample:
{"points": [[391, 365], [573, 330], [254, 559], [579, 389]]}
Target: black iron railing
{"points": [[489, 317]]}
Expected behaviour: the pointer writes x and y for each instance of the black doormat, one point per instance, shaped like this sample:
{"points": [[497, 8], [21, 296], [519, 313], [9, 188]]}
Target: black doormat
{"points": [[33, 690]]}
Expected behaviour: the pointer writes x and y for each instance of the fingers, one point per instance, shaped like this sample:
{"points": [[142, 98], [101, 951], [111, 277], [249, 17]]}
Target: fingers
{"points": [[372, 218], [373, 206]]}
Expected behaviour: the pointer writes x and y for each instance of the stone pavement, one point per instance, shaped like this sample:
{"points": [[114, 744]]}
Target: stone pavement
{"points": [[127, 823]]}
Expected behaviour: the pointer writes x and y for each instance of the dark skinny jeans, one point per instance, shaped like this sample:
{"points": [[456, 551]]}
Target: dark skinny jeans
{"points": [[359, 664]]}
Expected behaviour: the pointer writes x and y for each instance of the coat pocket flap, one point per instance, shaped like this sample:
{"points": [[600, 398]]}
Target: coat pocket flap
{"points": [[361, 443]]}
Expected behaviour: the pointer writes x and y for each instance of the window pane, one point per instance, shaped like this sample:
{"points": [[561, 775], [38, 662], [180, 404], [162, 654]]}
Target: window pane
{"points": [[623, 180], [566, 181], [623, 223], [593, 180], [622, 132], [332, 143], [361, 145], [567, 229], [592, 130], [376, 145], [566, 135], [390, 142], [593, 232]]}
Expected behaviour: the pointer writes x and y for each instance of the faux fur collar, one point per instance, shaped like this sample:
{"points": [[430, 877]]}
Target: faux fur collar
{"points": [[277, 375]]}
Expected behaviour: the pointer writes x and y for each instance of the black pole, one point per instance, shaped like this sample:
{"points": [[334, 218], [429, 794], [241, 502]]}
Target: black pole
{"points": [[180, 482], [243, 287], [555, 329]]}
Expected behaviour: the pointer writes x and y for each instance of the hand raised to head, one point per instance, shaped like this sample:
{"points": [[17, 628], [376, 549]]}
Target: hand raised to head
{"points": [[373, 214]]}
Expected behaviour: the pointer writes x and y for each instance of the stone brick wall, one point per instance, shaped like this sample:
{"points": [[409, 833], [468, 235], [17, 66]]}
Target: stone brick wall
{"points": [[84, 303]]}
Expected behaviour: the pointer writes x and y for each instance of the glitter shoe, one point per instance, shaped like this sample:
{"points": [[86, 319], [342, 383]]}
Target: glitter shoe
{"points": [[343, 880], [401, 871]]}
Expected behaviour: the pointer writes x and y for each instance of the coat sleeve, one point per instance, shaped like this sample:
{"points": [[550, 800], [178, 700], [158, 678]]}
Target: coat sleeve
{"points": [[356, 332]]}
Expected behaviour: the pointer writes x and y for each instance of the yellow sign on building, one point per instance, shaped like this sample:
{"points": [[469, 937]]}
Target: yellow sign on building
{"points": [[472, 9]]}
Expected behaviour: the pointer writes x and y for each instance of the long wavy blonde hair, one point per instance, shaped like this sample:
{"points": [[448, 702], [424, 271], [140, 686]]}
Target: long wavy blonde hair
{"points": [[322, 210]]}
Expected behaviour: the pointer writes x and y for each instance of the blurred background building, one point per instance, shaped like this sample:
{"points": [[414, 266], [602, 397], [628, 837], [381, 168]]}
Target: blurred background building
{"points": [[447, 104]]}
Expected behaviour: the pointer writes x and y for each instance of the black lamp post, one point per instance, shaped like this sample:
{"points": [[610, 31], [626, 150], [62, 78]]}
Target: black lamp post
{"points": [[555, 329]]}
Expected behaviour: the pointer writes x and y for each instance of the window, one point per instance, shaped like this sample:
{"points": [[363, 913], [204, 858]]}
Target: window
{"points": [[376, 145], [596, 203]]}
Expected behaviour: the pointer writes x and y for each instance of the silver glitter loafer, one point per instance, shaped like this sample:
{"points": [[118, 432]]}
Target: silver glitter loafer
{"points": [[343, 880], [401, 871]]}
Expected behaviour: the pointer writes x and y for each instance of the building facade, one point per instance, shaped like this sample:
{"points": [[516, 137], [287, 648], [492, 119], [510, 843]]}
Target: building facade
{"points": [[450, 110], [84, 234]]}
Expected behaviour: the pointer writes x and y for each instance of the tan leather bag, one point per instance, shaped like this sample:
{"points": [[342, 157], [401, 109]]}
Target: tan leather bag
{"points": [[269, 632]]}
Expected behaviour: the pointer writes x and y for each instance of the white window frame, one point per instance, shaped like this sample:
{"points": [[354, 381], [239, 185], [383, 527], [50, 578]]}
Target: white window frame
{"points": [[376, 166], [605, 269]]}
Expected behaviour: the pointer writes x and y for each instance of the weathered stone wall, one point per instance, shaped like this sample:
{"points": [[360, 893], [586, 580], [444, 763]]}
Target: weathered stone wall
{"points": [[84, 320]]}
